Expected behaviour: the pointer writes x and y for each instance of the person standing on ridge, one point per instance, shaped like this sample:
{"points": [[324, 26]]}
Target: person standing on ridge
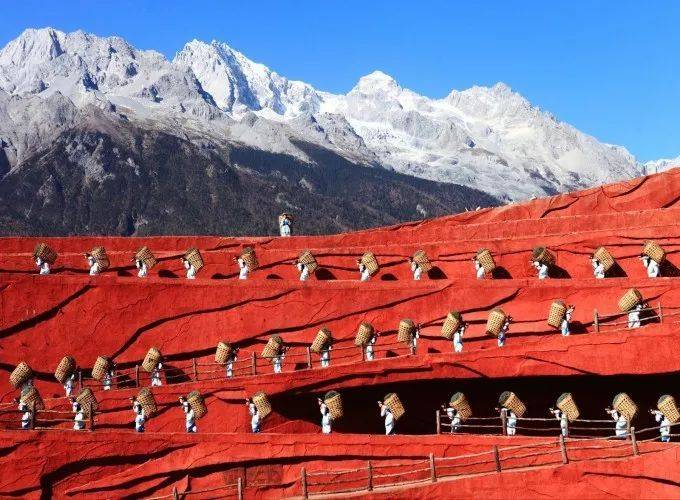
{"points": [[563, 420], [230, 362], [364, 273], [326, 421], [26, 414], [510, 420], [564, 325], [454, 417], [458, 337], [43, 265], [142, 269], [140, 415], [156, 375], [277, 360], [285, 223], [386, 413], [504, 331], [191, 270], [369, 349], [189, 417], [651, 266], [94, 265], [415, 269], [303, 269], [79, 415], [541, 269], [254, 416], [634, 316], [479, 269], [109, 375], [68, 384], [243, 268], [621, 428], [664, 427], [598, 268]]}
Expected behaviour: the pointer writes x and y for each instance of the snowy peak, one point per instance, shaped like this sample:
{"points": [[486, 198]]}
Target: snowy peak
{"points": [[376, 83]]}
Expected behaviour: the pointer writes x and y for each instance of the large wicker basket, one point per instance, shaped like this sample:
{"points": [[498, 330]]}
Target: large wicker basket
{"points": [[45, 253], [262, 404], [630, 299], [654, 251], [371, 263], [544, 256], [273, 347], [460, 403], [20, 375], [153, 356], [510, 401], [322, 339], [407, 328], [86, 399], [494, 324], [249, 257], [193, 256], [557, 312], [486, 260], [451, 324], [364, 334], [223, 352], [65, 368], [146, 256], [197, 404], [148, 402], [567, 404], [623, 404], [101, 368], [99, 255], [394, 404], [31, 398], [334, 402], [420, 258], [308, 260], [602, 255], [667, 406]]}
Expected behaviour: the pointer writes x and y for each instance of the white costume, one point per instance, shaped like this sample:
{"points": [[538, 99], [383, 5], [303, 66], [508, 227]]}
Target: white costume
{"points": [[190, 419], [243, 269], [651, 266], [634, 317], [542, 270], [255, 417], [140, 417], [79, 418], [414, 339], [143, 270], [106, 381], [417, 270], [458, 338], [156, 380], [325, 419], [326, 357], [510, 421], [191, 270], [564, 326], [364, 274], [564, 421], [43, 266], [68, 384], [389, 419], [503, 333], [479, 269], [304, 271], [454, 417], [598, 268], [94, 265], [230, 364], [369, 350], [665, 427], [284, 226], [277, 362], [621, 424], [25, 416]]}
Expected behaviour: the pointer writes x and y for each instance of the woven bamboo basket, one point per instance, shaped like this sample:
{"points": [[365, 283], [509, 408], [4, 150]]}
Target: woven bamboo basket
{"points": [[495, 322], [101, 368], [420, 258], [146, 256], [249, 257], [45, 253], [364, 334], [31, 398], [460, 403], [667, 406], [394, 404], [272, 347], [486, 260], [323, 337], [451, 324], [65, 369], [630, 299], [20, 375], [86, 398], [623, 404], [544, 256], [223, 352], [371, 263], [148, 402], [334, 402], [262, 404], [604, 257], [510, 401], [153, 356], [99, 255], [654, 251], [197, 404], [193, 256], [567, 404], [557, 312], [407, 328], [308, 260]]}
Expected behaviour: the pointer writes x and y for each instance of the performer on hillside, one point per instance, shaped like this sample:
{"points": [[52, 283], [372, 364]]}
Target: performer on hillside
{"points": [[254, 416], [369, 348], [243, 269], [157, 374], [94, 265], [326, 354], [651, 266], [510, 420], [454, 417], [541, 269], [598, 268], [43, 265], [109, 376], [285, 224], [504, 331], [25, 415], [142, 268], [140, 415], [364, 274], [566, 321], [634, 316], [304, 271], [78, 415], [562, 419], [458, 337], [621, 428], [479, 269], [664, 427], [415, 269], [233, 355], [386, 413], [326, 421], [191, 270], [189, 417], [277, 361], [414, 338], [68, 384]]}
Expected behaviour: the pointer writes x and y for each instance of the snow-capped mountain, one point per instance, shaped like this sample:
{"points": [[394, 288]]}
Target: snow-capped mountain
{"points": [[656, 166], [491, 139]]}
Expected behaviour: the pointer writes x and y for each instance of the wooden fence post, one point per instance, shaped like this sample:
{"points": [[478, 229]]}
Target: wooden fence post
{"points": [[303, 480], [660, 313], [563, 449], [438, 419], [369, 470], [193, 363], [504, 423], [596, 322], [363, 353], [309, 357], [33, 417], [136, 375], [433, 472], [239, 489], [253, 364], [634, 441], [91, 412], [497, 458], [175, 495]]}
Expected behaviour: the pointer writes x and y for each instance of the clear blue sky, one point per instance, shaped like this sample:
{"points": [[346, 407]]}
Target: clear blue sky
{"points": [[611, 68]]}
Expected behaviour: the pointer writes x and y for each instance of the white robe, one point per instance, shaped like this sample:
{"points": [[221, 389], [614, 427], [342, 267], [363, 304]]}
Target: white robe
{"points": [[68, 384], [26, 416], [230, 365], [370, 349], [365, 275], [325, 419], [563, 420], [43, 266], [284, 227], [326, 357], [189, 417], [652, 268], [255, 417], [243, 269], [94, 266], [389, 419], [78, 418], [564, 326], [191, 270], [417, 271], [542, 270], [621, 428], [140, 417], [634, 317], [665, 427], [156, 380], [414, 339], [598, 269], [143, 270], [304, 271], [510, 422], [277, 362], [454, 417], [479, 269], [503, 333]]}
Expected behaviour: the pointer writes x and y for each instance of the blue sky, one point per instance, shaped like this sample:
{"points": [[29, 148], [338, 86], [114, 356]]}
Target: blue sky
{"points": [[610, 68]]}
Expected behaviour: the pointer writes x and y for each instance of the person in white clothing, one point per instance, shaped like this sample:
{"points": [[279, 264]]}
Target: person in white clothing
{"points": [[541, 269], [369, 348], [68, 384], [386, 413], [285, 223], [414, 339], [454, 418], [140, 415], [510, 421], [634, 316], [598, 268], [142, 268], [664, 427], [79, 416], [277, 361], [415, 269], [25, 415], [43, 265], [458, 337], [364, 274], [304, 271], [189, 417], [562, 419], [191, 270], [243, 269], [233, 355], [326, 355], [156, 375], [326, 421], [94, 265], [504, 331], [108, 377], [651, 266], [254, 416], [621, 428], [479, 269], [564, 326]]}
